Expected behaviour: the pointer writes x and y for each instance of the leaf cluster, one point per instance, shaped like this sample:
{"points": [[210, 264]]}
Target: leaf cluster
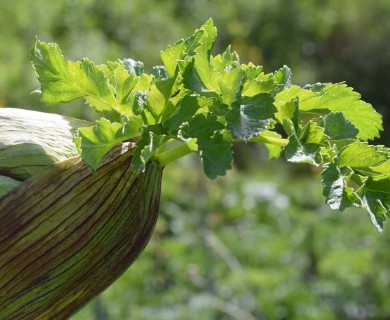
{"points": [[201, 103]]}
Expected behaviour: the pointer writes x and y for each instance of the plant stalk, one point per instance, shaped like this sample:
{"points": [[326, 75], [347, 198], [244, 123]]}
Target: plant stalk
{"points": [[182, 150]]}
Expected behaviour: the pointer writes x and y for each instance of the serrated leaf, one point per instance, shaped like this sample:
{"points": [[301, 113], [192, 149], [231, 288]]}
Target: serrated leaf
{"points": [[138, 98], [182, 50], [151, 139], [123, 83], [202, 59], [283, 78], [157, 98], [306, 148], [202, 126], [381, 169], [338, 195], [296, 151], [94, 142], [192, 79], [230, 85], [185, 110], [288, 111], [376, 197], [216, 155], [338, 128], [312, 133], [252, 116], [337, 97], [360, 155], [225, 61], [63, 81]]}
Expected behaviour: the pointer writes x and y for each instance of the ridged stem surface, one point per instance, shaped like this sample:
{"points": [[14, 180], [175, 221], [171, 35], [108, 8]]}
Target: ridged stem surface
{"points": [[68, 233]]}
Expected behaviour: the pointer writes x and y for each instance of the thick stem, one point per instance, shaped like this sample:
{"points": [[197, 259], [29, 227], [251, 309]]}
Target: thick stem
{"points": [[174, 154]]}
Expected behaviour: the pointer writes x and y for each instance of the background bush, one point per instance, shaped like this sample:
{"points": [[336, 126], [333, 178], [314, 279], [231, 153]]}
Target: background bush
{"points": [[258, 243]]}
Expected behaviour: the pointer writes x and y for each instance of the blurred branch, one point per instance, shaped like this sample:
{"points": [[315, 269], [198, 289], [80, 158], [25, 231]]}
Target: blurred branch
{"points": [[223, 251], [100, 312]]}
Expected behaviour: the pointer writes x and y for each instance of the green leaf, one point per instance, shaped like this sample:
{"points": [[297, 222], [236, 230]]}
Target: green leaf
{"points": [[296, 151], [63, 81], [192, 79], [201, 126], [152, 138], [257, 82], [230, 85], [337, 97], [94, 142], [306, 148], [288, 111], [216, 155], [225, 61], [282, 78], [123, 84], [338, 128], [360, 155], [157, 99], [338, 195], [202, 59], [376, 198], [185, 110], [182, 50], [253, 116]]}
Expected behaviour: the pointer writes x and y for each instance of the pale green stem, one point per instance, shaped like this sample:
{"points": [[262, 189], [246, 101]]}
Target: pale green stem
{"points": [[182, 150], [174, 154]]}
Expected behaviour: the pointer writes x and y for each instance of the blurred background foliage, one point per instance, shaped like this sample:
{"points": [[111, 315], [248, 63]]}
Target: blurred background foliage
{"points": [[258, 243]]}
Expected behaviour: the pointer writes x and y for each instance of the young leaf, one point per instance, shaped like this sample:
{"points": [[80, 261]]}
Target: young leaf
{"points": [[361, 156], [230, 85], [282, 78], [337, 97], [201, 126], [157, 99], [289, 111], [338, 195], [252, 116], [63, 81], [216, 155], [225, 61], [376, 197], [94, 142], [151, 139], [207, 102], [182, 50], [338, 128], [202, 59], [185, 110], [306, 148]]}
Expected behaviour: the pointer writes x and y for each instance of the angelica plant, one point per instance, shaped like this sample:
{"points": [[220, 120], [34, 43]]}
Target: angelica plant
{"points": [[83, 214]]}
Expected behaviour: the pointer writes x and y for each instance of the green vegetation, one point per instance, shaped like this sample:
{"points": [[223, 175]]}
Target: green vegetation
{"points": [[207, 102]]}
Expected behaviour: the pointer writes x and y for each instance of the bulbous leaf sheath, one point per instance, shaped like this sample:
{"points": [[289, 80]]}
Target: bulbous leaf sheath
{"points": [[66, 233]]}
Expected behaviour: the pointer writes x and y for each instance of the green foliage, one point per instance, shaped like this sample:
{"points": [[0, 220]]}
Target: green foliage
{"points": [[205, 102]]}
